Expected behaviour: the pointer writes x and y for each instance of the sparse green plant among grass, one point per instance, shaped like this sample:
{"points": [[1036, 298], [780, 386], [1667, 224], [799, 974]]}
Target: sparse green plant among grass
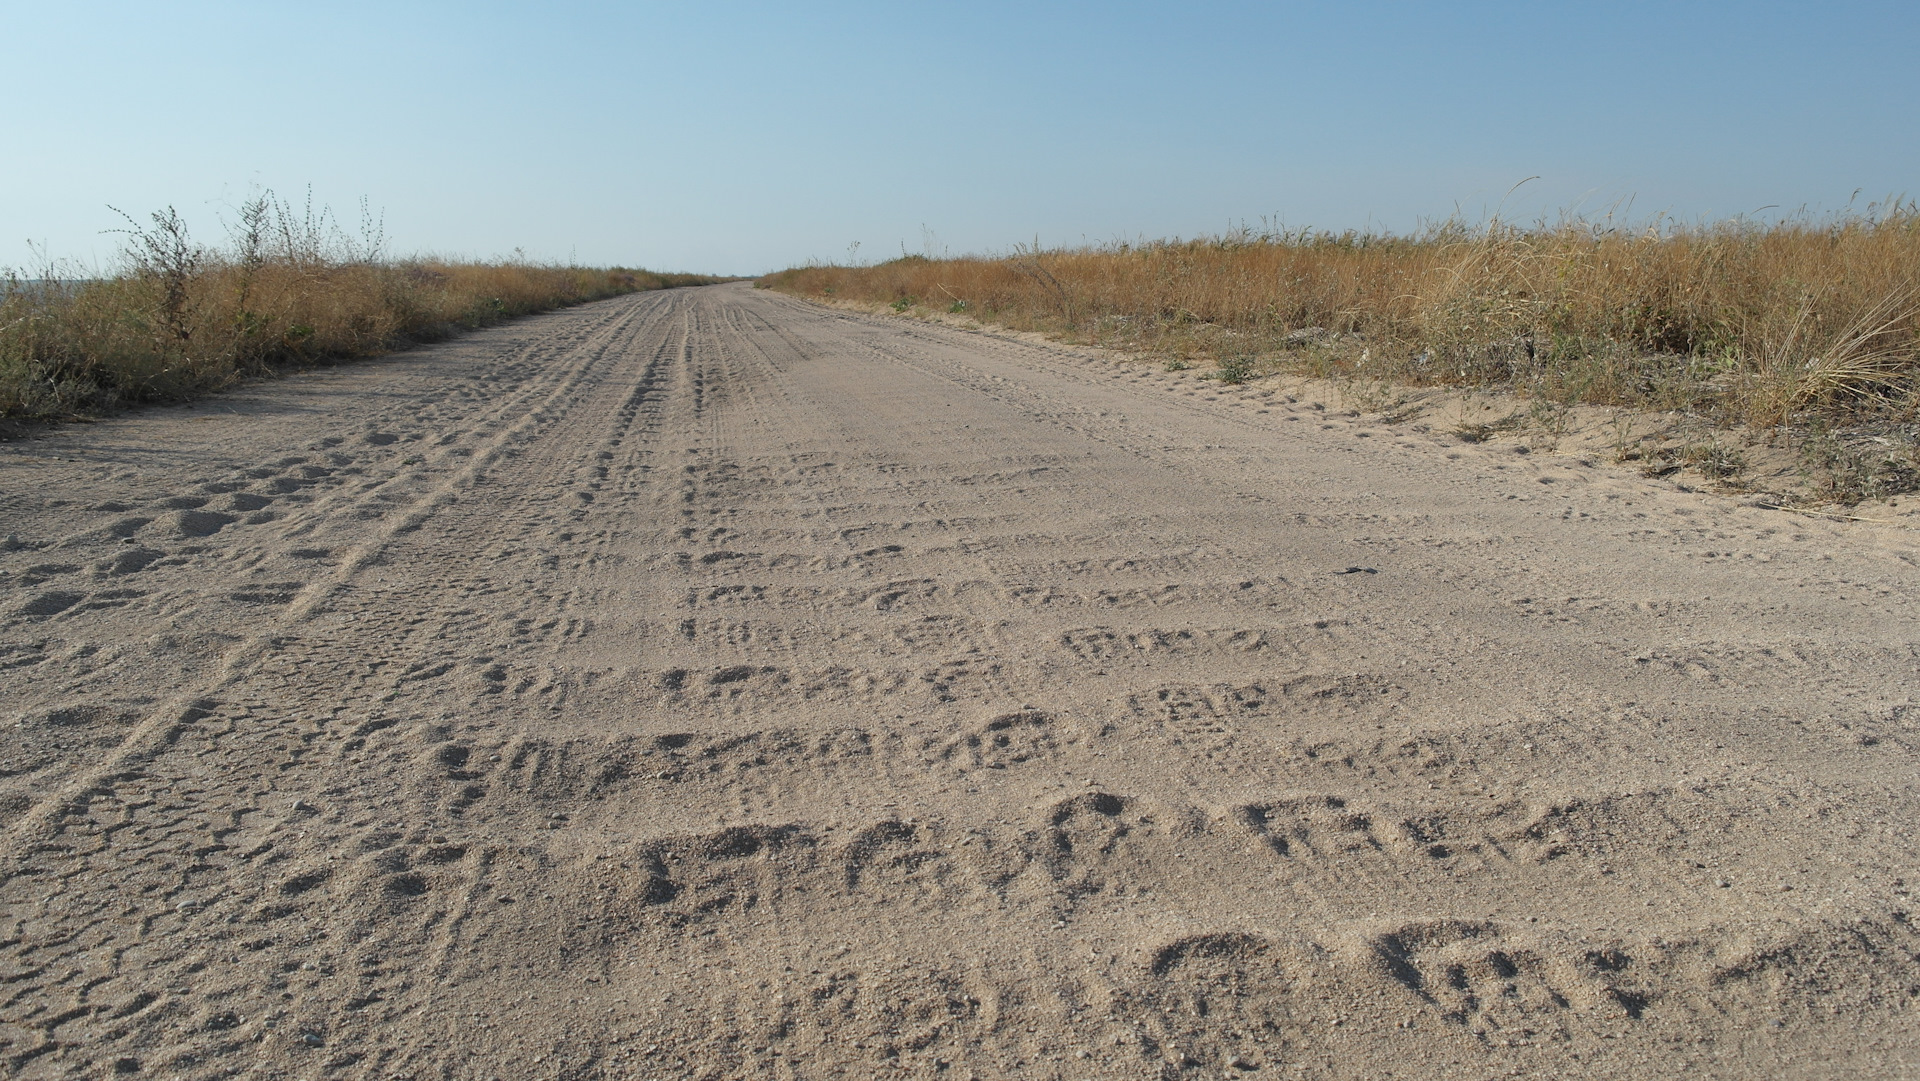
{"points": [[1623, 449], [1177, 365], [1481, 432], [1868, 467], [1234, 370], [1380, 398], [1549, 416], [901, 304], [1714, 460], [163, 257]]}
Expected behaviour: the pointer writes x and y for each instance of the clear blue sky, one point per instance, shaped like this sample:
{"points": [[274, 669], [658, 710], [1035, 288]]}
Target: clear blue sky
{"points": [[744, 136]]}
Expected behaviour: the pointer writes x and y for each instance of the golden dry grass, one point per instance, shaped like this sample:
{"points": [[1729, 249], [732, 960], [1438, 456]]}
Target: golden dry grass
{"points": [[179, 320], [1746, 323]]}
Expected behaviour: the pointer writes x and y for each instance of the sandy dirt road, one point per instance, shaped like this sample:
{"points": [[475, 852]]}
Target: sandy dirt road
{"points": [[704, 684]]}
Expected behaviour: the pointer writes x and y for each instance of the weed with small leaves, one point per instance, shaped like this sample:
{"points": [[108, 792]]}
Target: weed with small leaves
{"points": [[1481, 432], [1234, 370]]}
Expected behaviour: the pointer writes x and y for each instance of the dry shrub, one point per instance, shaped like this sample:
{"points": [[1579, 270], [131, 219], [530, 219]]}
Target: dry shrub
{"points": [[177, 319], [1737, 321]]}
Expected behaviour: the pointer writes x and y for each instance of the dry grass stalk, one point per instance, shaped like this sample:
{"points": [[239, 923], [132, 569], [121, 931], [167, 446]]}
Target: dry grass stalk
{"points": [[1868, 360]]}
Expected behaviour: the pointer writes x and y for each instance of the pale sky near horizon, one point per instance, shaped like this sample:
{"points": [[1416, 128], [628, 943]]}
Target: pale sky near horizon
{"points": [[746, 136]]}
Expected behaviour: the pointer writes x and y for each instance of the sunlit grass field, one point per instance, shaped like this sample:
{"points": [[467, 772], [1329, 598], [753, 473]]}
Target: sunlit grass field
{"points": [[1799, 324], [289, 287]]}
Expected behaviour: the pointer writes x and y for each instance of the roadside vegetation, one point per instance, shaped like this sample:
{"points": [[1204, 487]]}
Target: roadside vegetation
{"points": [[290, 287], [1802, 332]]}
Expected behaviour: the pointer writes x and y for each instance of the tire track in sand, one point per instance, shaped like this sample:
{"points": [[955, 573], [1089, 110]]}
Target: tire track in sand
{"points": [[771, 692]]}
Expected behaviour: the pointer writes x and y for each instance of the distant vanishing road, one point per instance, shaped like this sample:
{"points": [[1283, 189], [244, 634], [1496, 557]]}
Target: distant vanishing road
{"points": [[706, 684]]}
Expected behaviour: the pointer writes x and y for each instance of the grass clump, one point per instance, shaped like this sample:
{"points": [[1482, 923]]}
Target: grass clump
{"points": [[1853, 466], [1734, 323], [1234, 370], [175, 318], [1483, 431]]}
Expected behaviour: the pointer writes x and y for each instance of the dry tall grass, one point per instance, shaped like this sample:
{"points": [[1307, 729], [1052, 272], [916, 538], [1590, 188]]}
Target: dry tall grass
{"points": [[179, 319], [1746, 323]]}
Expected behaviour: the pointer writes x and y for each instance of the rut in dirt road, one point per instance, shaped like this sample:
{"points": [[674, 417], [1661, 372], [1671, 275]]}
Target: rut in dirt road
{"points": [[705, 684]]}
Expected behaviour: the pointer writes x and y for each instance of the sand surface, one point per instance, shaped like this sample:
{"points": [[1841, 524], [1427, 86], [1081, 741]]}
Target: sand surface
{"points": [[705, 684]]}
